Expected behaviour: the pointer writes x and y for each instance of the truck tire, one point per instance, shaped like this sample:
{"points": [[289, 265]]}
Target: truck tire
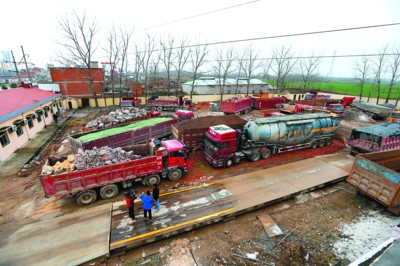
{"points": [[255, 156], [109, 191], [175, 174], [314, 144], [228, 163], [321, 143], [86, 197], [265, 153], [159, 109], [328, 142], [154, 108], [151, 180]]}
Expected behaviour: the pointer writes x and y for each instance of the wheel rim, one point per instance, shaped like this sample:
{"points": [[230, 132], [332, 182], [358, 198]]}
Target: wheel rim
{"points": [[152, 180], [265, 153], [321, 143], [228, 163], [175, 175]]}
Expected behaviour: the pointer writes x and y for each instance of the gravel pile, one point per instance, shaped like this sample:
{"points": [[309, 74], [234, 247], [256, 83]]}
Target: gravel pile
{"points": [[119, 116]]}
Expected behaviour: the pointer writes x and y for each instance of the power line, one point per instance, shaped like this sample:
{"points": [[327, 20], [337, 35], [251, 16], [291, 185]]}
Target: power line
{"points": [[195, 16]]}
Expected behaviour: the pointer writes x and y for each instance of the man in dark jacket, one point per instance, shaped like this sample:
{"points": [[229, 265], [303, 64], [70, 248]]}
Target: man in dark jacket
{"points": [[147, 204], [156, 196], [130, 197]]}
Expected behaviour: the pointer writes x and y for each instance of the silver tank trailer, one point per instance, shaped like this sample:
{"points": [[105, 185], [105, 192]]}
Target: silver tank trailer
{"points": [[290, 129]]}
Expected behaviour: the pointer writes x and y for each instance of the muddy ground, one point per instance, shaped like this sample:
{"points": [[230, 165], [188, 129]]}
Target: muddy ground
{"points": [[312, 223]]}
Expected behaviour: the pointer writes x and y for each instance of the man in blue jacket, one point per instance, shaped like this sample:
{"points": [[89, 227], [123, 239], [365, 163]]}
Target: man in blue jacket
{"points": [[147, 204]]}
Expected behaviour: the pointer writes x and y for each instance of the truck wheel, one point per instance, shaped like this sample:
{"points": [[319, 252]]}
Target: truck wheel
{"points": [[86, 197], [255, 156], [314, 144], [109, 191], [321, 143], [151, 180], [328, 142], [159, 109], [228, 163], [175, 174], [265, 153], [154, 108]]}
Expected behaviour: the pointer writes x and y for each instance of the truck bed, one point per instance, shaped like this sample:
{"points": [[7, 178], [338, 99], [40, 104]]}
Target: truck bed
{"points": [[377, 175], [235, 106]]}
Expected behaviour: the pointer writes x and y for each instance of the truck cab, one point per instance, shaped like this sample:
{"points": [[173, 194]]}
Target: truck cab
{"points": [[347, 100], [220, 146], [176, 159], [336, 108]]}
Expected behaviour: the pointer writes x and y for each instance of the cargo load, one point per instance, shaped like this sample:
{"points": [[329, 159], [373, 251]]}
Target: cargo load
{"points": [[373, 110], [120, 136]]}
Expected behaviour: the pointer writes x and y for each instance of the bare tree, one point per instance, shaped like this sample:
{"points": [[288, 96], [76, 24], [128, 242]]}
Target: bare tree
{"points": [[154, 68], [223, 67], [139, 59], [80, 44], [197, 56], [394, 71], [113, 52], [308, 66], [167, 57], [249, 64], [362, 69], [182, 55], [125, 38], [379, 70], [266, 65], [143, 60], [239, 68], [281, 65]]}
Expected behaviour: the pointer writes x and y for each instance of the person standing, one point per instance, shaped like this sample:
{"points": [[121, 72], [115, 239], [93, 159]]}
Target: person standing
{"points": [[147, 204], [156, 196], [130, 197]]}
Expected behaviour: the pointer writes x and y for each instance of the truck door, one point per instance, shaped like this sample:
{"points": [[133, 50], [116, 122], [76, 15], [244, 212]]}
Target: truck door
{"points": [[177, 158]]}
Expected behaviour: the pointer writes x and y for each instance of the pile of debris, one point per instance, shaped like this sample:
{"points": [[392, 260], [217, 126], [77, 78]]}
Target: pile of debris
{"points": [[116, 117], [201, 106], [88, 159], [236, 98]]}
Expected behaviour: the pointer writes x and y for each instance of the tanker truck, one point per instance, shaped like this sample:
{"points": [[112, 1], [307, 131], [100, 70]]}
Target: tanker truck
{"points": [[262, 137]]}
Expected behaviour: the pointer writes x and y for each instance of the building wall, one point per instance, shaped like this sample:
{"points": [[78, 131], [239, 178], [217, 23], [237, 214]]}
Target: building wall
{"points": [[15, 141], [228, 89]]}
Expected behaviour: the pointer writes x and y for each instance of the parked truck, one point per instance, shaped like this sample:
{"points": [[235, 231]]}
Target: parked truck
{"points": [[268, 103], [120, 136], [236, 104], [262, 137], [169, 103], [377, 175], [375, 138], [373, 110], [130, 102], [192, 132], [170, 159]]}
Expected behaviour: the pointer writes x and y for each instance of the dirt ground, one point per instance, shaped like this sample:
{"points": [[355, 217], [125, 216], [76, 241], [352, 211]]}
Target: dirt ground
{"points": [[311, 223]]}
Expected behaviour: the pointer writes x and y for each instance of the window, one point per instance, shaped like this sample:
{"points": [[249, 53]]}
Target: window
{"points": [[4, 140], [39, 118], [20, 131], [178, 154], [30, 123], [45, 113]]}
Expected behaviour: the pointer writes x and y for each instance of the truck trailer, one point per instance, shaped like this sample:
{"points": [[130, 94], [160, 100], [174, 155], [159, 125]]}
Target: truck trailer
{"points": [[375, 138], [120, 136], [170, 159], [192, 132], [375, 111], [377, 176], [262, 137], [169, 103]]}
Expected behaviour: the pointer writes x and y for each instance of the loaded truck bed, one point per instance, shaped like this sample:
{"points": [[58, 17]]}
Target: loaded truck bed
{"points": [[377, 176]]}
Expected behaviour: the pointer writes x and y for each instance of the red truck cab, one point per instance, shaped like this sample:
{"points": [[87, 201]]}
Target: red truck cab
{"points": [[336, 108], [220, 145], [184, 114], [347, 100]]}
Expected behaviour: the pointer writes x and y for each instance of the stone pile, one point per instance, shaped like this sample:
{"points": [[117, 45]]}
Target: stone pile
{"points": [[116, 117], [88, 159]]}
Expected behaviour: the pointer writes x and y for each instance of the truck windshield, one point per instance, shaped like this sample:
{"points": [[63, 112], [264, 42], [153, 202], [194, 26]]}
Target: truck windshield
{"points": [[338, 107], [179, 153], [212, 144]]}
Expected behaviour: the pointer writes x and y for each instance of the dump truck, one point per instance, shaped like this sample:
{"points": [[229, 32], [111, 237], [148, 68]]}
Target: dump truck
{"points": [[268, 103], [377, 175], [262, 137], [130, 102], [120, 136], [160, 160], [375, 138], [375, 111], [236, 105], [192, 132], [169, 103]]}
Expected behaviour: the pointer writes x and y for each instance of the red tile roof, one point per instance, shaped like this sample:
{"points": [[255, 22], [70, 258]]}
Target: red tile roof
{"points": [[13, 100]]}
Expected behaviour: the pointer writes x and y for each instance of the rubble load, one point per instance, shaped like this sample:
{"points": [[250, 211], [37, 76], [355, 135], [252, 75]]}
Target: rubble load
{"points": [[116, 117], [88, 159]]}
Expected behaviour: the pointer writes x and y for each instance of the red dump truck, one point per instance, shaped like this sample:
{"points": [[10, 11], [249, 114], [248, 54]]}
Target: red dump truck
{"points": [[169, 103], [377, 176], [236, 104], [170, 160], [130, 102], [268, 103], [375, 138], [120, 136], [192, 132], [262, 137]]}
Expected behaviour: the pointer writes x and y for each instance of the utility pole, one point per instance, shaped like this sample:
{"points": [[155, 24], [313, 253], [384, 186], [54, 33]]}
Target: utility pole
{"points": [[26, 65], [16, 68]]}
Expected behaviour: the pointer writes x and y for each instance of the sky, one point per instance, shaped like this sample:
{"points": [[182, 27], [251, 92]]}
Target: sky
{"points": [[34, 25]]}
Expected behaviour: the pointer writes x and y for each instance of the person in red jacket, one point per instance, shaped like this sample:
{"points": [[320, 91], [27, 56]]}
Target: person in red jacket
{"points": [[130, 197]]}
